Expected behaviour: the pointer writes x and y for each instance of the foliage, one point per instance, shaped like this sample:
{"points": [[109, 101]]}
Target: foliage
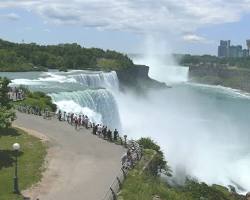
{"points": [[143, 186], [187, 59], [198, 190], [30, 161], [7, 115], [159, 161], [27, 57], [4, 100], [138, 185], [38, 99]]}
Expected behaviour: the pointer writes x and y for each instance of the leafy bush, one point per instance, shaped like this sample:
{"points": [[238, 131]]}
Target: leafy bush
{"points": [[7, 115], [159, 162]]}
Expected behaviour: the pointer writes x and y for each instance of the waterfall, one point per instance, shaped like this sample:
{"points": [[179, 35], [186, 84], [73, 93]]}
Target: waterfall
{"points": [[100, 104], [164, 68], [169, 74], [81, 91], [98, 79]]}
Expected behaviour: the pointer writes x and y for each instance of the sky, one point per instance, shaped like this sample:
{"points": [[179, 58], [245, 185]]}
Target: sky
{"points": [[185, 26]]}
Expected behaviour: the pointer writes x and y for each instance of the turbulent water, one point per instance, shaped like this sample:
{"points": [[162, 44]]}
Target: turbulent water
{"points": [[204, 130], [82, 92]]}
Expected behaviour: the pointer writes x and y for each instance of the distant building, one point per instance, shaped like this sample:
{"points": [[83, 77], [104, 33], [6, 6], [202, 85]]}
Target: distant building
{"points": [[245, 52], [225, 50], [235, 51], [248, 44]]}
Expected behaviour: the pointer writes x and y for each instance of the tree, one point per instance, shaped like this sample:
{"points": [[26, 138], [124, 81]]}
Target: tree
{"points": [[7, 115], [159, 161]]}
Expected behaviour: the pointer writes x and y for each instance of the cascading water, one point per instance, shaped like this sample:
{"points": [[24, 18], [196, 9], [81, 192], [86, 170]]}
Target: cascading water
{"points": [[164, 71], [100, 101], [98, 79], [201, 129], [79, 91]]}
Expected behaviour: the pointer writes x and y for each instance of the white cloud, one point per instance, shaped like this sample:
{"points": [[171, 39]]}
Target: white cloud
{"points": [[192, 38], [137, 15], [47, 30], [10, 16]]}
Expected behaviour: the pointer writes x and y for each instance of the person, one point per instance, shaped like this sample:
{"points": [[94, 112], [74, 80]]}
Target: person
{"points": [[94, 129], [64, 116], [89, 124], [76, 122], [99, 129], [129, 158], [60, 115], [71, 118], [86, 121], [79, 120], [115, 135], [104, 132], [68, 117], [124, 158], [109, 134]]}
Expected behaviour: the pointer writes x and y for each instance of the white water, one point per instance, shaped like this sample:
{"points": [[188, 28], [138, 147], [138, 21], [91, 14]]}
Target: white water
{"points": [[86, 78], [204, 134], [162, 71], [101, 79], [203, 130], [80, 92], [70, 106], [100, 101]]}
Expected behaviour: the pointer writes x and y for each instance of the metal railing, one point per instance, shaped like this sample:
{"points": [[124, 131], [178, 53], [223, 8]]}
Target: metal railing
{"points": [[133, 147], [35, 111], [116, 185]]}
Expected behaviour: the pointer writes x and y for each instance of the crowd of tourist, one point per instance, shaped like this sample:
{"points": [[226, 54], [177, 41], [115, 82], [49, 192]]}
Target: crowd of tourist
{"points": [[134, 151], [15, 94], [79, 121]]}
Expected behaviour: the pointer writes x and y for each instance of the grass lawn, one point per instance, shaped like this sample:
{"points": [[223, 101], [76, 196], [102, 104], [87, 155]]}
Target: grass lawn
{"points": [[30, 161]]}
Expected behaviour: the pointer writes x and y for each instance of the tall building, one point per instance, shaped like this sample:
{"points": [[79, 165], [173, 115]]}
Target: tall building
{"points": [[223, 49], [248, 44], [245, 52], [235, 51]]}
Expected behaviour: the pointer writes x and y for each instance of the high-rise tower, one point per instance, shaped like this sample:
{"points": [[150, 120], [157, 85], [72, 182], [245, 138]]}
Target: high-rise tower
{"points": [[248, 44]]}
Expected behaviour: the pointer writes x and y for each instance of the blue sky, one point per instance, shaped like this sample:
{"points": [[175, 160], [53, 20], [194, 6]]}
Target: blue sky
{"points": [[185, 26]]}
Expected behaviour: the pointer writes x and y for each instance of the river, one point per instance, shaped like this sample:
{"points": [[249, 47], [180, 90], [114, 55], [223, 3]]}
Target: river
{"points": [[203, 130]]}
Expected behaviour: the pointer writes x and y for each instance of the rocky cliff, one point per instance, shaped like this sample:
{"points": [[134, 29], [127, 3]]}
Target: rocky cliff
{"points": [[137, 77], [224, 75]]}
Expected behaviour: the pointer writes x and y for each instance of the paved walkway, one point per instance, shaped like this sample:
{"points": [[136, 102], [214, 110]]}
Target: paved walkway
{"points": [[81, 166]]}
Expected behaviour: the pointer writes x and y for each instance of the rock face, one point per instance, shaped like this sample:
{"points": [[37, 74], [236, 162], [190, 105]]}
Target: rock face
{"points": [[138, 78], [221, 75]]}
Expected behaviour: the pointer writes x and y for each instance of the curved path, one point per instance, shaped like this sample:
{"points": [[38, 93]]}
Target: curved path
{"points": [[80, 166]]}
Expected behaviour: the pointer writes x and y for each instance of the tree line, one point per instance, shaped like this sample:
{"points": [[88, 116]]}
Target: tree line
{"points": [[28, 57], [188, 59]]}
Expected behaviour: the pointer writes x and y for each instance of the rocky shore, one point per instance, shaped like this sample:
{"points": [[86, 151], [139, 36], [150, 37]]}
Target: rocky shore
{"points": [[214, 74], [137, 77]]}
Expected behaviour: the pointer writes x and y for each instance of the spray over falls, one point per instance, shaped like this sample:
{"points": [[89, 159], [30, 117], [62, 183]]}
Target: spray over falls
{"points": [[100, 101], [78, 91], [201, 129]]}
